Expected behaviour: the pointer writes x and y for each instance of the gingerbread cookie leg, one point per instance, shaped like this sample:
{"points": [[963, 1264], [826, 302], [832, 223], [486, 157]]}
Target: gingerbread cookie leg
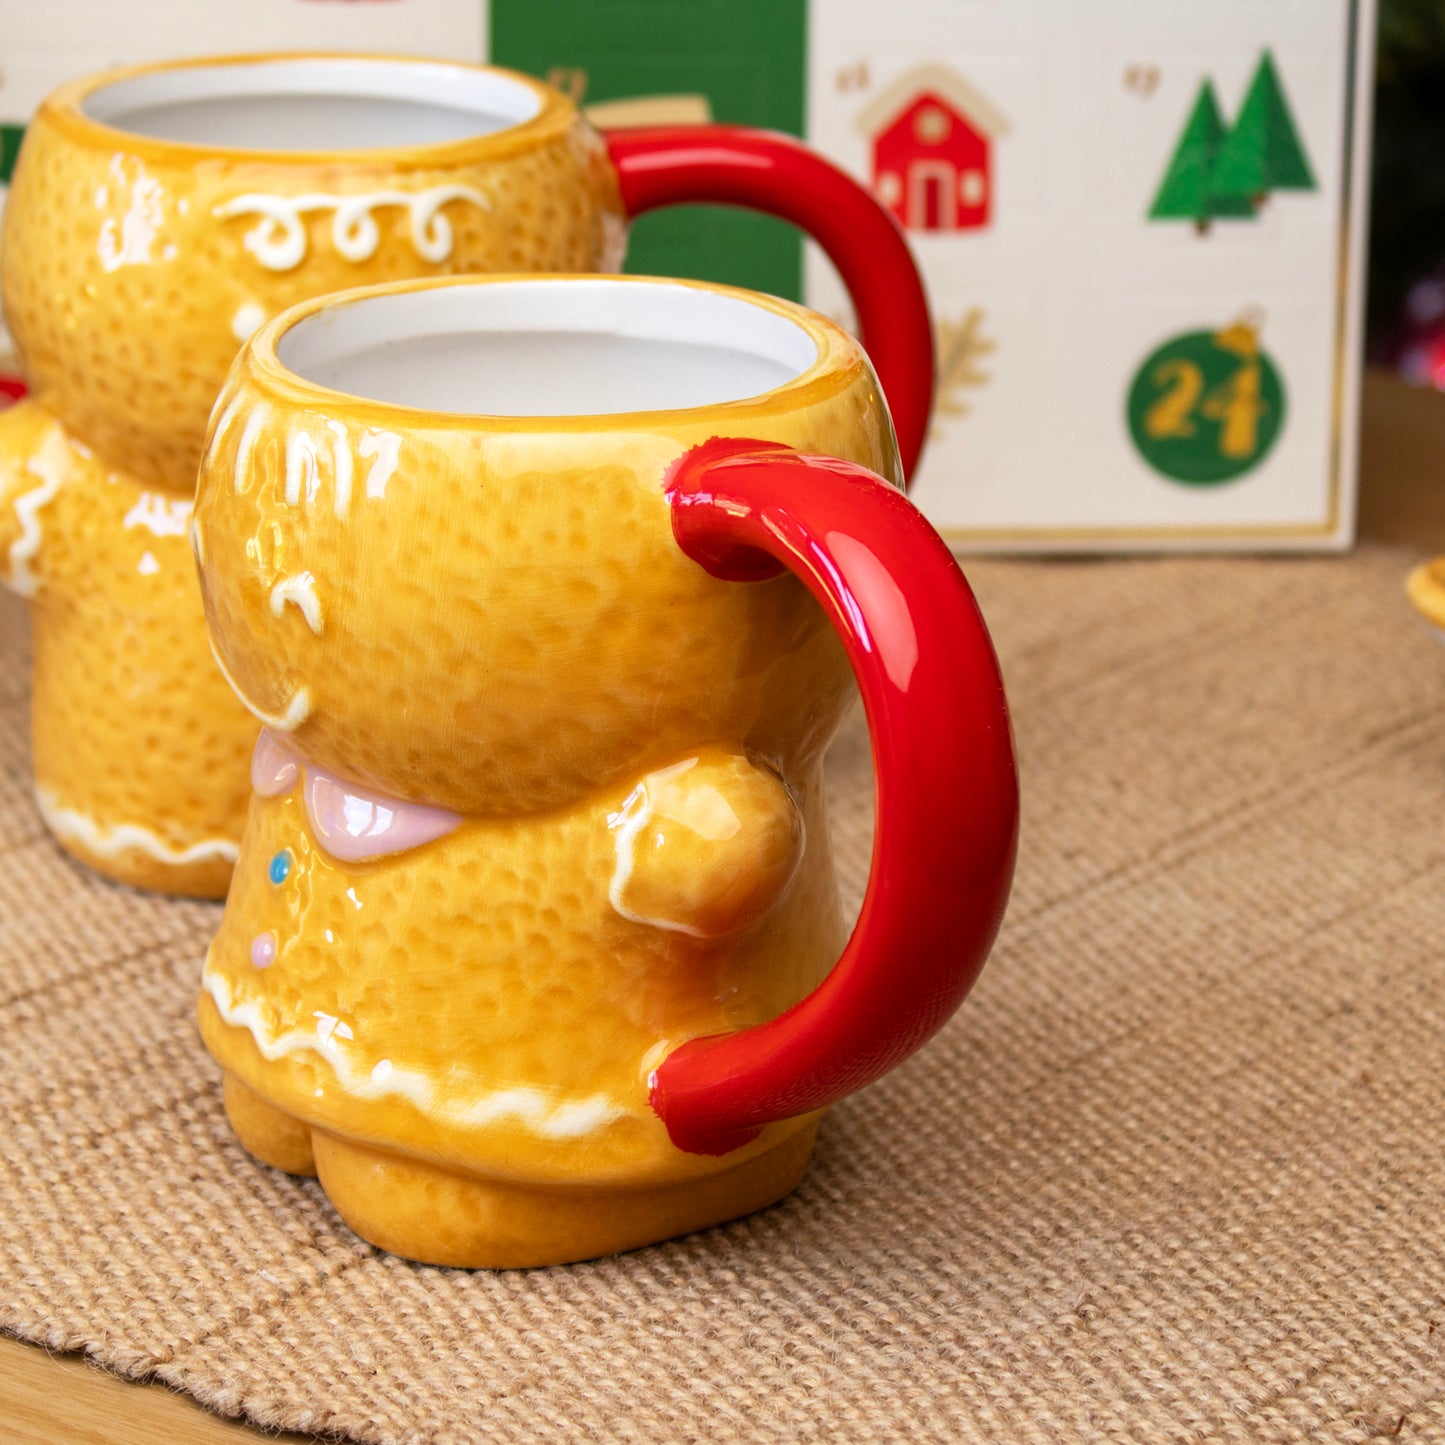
{"points": [[274, 1137]]}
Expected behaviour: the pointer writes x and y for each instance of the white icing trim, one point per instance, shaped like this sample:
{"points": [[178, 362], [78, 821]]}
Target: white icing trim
{"points": [[279, 242], [110, 842], [249, 433], [160, 515], [219, 424], [384, 446], [129, 241], [51, 470], [534, 1108], [296, 711], [629, 820], [300, 591], [341, 455], [301, 467], [249, 316]]}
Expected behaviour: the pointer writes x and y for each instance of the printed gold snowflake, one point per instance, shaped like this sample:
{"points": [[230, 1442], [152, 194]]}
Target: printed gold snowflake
{"points": [[959, 350]]}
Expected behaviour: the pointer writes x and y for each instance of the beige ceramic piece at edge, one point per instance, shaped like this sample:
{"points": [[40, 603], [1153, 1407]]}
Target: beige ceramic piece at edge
{"points": [[134, 267], [608, 764], [1426, 586]]}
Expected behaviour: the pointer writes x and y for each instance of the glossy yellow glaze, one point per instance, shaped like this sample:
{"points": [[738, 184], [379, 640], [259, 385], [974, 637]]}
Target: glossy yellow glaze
{"points": [[507, 629], [1426, 586], [140, 748], [134, 268]]}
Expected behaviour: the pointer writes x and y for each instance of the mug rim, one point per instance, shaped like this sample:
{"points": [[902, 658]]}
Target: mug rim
{"points": [[67, 106], [835, 365]]}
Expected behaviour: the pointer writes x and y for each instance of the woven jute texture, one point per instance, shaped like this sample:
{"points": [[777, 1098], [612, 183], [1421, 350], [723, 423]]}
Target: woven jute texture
{"points": [[1172, 1174]]}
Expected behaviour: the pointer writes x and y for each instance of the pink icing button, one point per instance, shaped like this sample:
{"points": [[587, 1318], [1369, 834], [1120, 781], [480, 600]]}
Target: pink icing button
{"points": [[273, 766], [353, 824], [263, 950]]}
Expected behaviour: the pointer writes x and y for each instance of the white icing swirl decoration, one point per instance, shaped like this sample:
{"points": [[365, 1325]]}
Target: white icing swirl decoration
{"points": [[278, 239]]}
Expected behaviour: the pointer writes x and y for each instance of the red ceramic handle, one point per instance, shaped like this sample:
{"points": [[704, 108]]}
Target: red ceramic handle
{"points": [[768, 171], [944, 772]]}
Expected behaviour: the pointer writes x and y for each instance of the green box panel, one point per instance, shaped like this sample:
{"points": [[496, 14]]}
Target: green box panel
{"points": [[748, 57], [10, 138]]}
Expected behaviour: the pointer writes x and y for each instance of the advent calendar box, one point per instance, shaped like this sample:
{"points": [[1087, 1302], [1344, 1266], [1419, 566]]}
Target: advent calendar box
{"points": [[1141, 225], [1140, 222]]}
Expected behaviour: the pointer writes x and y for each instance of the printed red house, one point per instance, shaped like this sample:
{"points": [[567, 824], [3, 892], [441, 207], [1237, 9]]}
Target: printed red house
{"points": [[932, 135]]}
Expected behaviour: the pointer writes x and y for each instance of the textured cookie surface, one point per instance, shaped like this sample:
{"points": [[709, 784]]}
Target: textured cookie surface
{"points": [[140, 748]]}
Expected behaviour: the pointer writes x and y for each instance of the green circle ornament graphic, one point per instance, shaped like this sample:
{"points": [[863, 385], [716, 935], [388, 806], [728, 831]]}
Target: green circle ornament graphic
{"points": [[1206, 406]]}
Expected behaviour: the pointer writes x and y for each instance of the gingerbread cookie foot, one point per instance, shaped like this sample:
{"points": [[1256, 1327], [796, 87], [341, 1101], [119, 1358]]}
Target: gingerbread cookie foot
{"points": [[274, 1137], [441, 1216]]}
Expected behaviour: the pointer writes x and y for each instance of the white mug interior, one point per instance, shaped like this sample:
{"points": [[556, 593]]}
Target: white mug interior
{"points": [[314, 103], [549, 347]]}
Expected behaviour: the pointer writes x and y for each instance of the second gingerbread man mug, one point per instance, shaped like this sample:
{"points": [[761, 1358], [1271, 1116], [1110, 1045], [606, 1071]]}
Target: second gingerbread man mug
{"points": [[158, 215]]}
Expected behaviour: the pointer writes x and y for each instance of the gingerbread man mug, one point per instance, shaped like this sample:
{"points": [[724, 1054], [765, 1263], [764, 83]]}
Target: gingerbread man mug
{"points": [[158, 215], [551, 592]]}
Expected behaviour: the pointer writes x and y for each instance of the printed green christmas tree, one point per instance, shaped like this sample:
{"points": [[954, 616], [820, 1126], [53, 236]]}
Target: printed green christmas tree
{"points": [[1219, 171], [1188, 191], [1263, 153]]}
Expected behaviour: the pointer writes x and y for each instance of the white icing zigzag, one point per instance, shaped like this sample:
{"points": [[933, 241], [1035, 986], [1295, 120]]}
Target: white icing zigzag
{"points": [[533, 1108], [104, 842], [279, 242], [49, 464]]}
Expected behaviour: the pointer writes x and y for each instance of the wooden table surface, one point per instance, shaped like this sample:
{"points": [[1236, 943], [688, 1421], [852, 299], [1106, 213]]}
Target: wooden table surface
{"points": [[50, 1399]]}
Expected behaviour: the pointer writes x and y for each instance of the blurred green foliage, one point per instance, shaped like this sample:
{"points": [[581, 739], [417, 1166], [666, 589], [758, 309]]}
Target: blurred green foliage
{"points": [[1407, 204]]}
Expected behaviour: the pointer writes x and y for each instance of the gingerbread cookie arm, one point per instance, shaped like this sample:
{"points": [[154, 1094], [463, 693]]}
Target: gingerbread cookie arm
{"points": [[705, 846], [36, 459]]}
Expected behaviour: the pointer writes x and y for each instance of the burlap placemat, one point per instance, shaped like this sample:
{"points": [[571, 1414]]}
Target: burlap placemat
{"points": [[1173, 1173]]}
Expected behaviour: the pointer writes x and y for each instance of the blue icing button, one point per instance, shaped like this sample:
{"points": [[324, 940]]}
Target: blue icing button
{"points": [[281, 866]]}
